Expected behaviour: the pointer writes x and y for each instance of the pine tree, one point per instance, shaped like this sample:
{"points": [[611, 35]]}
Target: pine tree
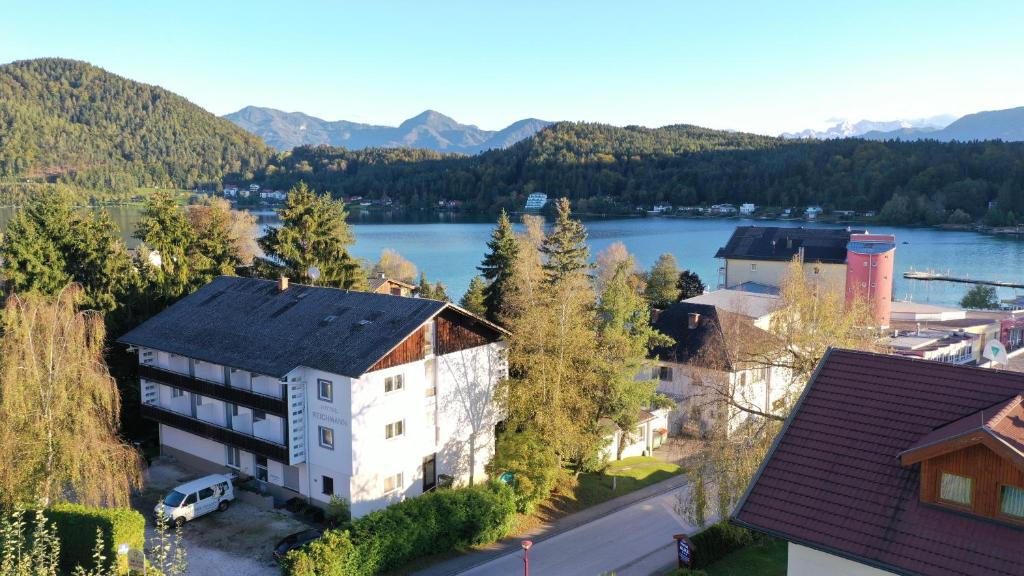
{"points": [[164, 229], [565, 248], [661, 289], [689, 285], [503, 248], [314, 234], [425, 289], [473, 299]]}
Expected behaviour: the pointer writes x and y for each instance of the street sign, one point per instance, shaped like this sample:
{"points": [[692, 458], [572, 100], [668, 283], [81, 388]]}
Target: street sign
{"points": [[684, 551]]}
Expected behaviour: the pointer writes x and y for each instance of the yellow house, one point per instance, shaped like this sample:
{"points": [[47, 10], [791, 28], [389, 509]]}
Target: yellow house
{"points": [[757, 258]]}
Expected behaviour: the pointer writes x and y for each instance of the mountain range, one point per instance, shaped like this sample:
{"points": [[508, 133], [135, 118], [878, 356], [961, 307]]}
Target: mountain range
{"points": [[430, 130], [1006, 125]]}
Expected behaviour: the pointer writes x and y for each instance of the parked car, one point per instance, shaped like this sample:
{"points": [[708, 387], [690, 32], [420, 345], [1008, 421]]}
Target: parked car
{"points": [[297, 540], [197, 498]]}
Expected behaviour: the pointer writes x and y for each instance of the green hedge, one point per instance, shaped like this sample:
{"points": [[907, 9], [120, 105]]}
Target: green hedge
{"points": [[390, 538], [76, 528], [719, 540]]}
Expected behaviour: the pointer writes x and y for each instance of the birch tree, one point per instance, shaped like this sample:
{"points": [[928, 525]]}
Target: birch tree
{"points": [[59, 407]]}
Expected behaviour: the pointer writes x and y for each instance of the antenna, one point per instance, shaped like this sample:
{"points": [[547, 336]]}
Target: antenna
{"points": [[314, 273]]}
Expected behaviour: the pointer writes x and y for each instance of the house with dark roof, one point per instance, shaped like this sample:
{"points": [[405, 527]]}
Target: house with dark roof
{"points": [[894, 465], [319, 392], [703, 367], [760, 255]]}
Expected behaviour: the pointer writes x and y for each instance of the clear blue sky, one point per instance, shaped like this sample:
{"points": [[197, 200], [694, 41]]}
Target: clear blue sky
{"points": [[763, 66]]}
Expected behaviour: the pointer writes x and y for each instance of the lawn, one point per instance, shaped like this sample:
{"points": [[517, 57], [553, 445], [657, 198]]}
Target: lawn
{"points": [[572, 494], [767, 559]]}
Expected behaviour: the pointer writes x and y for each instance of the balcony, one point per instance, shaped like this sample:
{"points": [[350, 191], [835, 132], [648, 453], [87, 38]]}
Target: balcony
{"points": [[247, 442], [269, 404]]}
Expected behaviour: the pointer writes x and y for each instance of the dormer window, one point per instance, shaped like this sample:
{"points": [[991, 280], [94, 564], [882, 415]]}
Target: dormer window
{"points": [[956, 489], [975, 464]]}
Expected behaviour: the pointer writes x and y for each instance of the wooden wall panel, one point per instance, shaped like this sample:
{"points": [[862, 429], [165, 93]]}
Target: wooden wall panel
{"points": [[989, 471], [456, 332], [410, 350]]}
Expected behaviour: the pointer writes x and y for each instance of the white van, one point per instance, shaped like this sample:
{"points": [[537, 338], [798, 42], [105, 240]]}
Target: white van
{"points": [[196, 498]]}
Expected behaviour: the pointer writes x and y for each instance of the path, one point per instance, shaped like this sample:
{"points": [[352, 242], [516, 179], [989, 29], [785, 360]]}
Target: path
{"points": [[630, 535]]}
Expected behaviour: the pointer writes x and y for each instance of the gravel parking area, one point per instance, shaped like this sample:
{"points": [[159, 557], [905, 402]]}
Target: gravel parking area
{"points": [[236, 541]]}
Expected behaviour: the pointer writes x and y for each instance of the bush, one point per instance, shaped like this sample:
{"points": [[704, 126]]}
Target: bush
{"points": [[390, 538], [533, 464], [720, 540], [76, 528], [339, 513]]}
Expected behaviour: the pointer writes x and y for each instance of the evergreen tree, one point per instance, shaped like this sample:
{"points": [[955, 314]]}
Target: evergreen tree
{"points": [[314, 234], [164, 229], [49, 244], [503, 248], [425, 289], [473, 299], [689, 285], [661, 290], [565, 248]]}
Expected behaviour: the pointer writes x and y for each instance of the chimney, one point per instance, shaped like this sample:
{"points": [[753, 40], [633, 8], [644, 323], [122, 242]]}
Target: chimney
{"points": [[692, 319], [282, 284]]}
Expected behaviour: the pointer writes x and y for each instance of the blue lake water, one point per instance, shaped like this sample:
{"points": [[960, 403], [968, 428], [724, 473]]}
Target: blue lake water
{"points": [[450, 251]]}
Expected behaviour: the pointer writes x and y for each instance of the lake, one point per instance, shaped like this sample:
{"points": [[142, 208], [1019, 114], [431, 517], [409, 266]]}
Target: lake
{"points": [[450, 250]]}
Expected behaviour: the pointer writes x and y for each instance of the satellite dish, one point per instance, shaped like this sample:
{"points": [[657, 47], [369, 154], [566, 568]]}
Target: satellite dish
{"points": [[314, 273]]}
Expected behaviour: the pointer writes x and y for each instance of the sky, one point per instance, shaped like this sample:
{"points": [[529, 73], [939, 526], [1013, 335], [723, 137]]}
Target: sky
{"points": [[767, 66]]}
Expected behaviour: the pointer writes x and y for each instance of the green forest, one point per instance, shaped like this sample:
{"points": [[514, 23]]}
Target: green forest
{"points": [[68, 123], [608, 169], [63, 121]]}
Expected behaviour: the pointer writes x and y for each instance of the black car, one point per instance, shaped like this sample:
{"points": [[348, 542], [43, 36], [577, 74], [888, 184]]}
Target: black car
{"points": [[297, 540]]}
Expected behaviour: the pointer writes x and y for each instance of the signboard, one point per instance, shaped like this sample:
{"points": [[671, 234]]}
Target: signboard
{"points": [[684, 551], [137, 561]]}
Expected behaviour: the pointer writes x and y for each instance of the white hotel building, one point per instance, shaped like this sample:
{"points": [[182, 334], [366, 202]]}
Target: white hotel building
{"points": [[319, 392]]}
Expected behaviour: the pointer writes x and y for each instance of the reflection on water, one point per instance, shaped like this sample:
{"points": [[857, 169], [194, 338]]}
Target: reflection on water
{"points": [[450, 250]]}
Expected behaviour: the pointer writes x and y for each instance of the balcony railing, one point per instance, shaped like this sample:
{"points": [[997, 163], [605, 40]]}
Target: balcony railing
{"points": [[242, 397], [271, 450]]}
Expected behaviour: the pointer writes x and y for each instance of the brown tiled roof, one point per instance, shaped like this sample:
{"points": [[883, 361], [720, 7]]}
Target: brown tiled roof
{"points": [[1002, 422], [833, 480]]}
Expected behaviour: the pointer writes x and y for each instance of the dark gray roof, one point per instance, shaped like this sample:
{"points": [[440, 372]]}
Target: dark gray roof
{"points": [[826, 245], [704, 344], [248, 323]]}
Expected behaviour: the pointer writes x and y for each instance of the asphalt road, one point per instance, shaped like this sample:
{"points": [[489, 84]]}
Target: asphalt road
{"points": [[633, 541]]}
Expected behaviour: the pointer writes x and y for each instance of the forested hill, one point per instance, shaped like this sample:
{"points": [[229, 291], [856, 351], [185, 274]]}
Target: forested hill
{"points": [[68, 121], [604, 168]]}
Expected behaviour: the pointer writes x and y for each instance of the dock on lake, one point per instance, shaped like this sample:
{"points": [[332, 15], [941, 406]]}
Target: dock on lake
{"points": [[935, 276]]}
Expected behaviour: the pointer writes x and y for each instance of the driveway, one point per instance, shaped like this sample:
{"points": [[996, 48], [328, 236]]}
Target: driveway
{"points": [[237, 541]]}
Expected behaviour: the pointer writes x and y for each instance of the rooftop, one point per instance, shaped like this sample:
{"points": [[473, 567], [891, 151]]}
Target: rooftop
{"points": [[749, 304], [248, 323], [833, 480], [827, 245]]}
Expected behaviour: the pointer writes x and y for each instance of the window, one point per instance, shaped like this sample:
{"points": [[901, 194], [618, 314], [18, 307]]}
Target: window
{"points": [[327, 438], [205, 493], [234, 457], [327, 486], [177, 392], [753, 267], [261, 468], [665, 373], [258, 415], [394, 429], [199, 399], [429, 333], [394, 383], [396, 291], [1012, 501], [190, 500], [393, 483], [956, 489], [234, 409], [325, 390]]}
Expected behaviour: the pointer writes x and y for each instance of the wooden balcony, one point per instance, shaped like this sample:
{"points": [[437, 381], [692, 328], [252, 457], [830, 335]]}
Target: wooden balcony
{"points": [[249, 443], [242, 397]]}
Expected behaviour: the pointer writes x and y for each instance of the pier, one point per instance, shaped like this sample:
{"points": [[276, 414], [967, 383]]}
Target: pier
{"points": [[935, 276]]}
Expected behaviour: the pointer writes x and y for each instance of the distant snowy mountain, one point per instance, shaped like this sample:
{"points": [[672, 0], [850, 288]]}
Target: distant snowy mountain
{"points": [[433, 130], [847, 129]]}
